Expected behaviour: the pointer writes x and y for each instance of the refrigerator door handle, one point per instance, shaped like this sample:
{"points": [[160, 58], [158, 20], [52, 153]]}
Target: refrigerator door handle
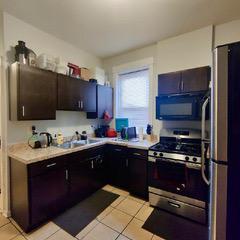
{"points": [[204, 140]]}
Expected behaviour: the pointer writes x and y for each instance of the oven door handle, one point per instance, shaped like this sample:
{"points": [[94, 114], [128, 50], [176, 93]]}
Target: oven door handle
{"points": [[154, 159], [174, 204]]}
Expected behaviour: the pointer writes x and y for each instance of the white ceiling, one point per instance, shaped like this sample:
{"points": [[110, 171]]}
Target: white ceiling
{"points": [[109, 27]]}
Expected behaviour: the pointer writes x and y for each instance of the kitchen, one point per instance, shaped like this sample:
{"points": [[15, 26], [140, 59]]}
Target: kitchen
{"points": [[189, 50]]}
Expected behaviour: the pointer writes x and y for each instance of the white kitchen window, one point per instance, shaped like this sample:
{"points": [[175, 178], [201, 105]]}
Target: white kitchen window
{"points": [[133, 97]]}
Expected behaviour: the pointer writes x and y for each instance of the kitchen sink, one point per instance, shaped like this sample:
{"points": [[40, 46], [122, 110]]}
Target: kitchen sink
{"points": [[75, 143]]}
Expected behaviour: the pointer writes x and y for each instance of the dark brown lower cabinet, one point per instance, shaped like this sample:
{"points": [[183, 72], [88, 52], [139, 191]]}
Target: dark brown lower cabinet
{"points": [[137, 168], [41, 190], [117, 165], [86, 173], [48, 194], [38, 191]]}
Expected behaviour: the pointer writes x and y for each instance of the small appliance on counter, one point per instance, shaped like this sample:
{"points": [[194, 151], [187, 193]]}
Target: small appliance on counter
{"points": [[101, 131], [84, 135], [33, 141], [111, 133], [45, 139], [128, 133]]}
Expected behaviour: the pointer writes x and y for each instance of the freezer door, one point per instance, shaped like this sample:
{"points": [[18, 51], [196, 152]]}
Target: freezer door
{"points": [[219, 105], [218, 206]]}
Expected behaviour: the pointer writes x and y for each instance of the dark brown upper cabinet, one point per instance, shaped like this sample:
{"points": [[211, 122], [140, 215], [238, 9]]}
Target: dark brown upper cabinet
{"points": [[75, 94], [187, 81], [32, 93], [104, 102], [169, 83], [195, 80]]}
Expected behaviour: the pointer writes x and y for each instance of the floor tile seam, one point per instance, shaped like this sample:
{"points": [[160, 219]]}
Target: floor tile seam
{"points": [[126, 212], [50, 234], [18, 235], [89, 230], [54, 233], [5, 224], [16, 227]]}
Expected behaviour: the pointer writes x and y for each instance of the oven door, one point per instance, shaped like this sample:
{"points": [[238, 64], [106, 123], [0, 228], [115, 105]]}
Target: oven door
{"points": [[181, 107], [175, 177]]}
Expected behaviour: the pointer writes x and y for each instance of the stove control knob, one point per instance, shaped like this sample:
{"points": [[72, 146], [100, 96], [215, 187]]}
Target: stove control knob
{"points": [[186, 158], [161, 154], [194, 159], [155, 154]]}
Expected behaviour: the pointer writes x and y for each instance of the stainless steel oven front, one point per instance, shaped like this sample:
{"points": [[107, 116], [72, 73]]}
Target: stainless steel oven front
{"points": [[178, 187]]}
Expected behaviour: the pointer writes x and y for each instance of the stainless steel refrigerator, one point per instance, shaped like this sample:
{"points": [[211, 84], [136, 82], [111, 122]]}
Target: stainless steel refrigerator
{"points": [[224, 205]]}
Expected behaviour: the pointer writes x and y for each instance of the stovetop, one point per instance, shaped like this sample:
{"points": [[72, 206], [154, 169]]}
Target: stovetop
{"points": [[193, 149]]}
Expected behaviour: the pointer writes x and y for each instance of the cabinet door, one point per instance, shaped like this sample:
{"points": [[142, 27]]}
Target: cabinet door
{"points": [[197, 79], [36, 94], [69, 93], [117, 165], [104, 100], [48, 194], [81, 177], [169, 83], [88, 96], [137, 161]]}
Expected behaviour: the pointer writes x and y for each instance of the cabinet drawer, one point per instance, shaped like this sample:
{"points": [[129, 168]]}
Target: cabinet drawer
{"points": [[137, 153], [116, 148], [38, 168]]}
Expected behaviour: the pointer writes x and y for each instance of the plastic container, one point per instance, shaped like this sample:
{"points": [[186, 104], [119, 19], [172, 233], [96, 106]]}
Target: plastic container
{"points": [[47, 62]]}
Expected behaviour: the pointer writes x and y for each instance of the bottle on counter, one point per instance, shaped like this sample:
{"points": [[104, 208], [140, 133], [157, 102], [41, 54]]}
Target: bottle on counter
{"points": [[60, 138]]}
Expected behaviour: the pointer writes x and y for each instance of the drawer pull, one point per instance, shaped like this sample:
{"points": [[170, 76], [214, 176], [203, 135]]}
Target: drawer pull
{"points": [[118, 150], [137, 154], [174, 204], [51, 165]]}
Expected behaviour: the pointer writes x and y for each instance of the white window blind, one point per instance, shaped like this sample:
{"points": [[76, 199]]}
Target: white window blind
{"points": [[133, 97]]}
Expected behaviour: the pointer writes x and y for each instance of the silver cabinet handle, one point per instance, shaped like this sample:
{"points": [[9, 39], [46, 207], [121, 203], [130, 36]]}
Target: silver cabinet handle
{"points": [[92, 166], [137, 154], [182, 85], [51, 165], [118, 150], [66, 174], [23, 111], [126, 162], [79, 104]]}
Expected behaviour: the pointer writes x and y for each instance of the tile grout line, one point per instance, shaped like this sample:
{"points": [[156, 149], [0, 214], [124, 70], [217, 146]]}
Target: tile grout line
{"points": [[53, 233], [5, 224]]}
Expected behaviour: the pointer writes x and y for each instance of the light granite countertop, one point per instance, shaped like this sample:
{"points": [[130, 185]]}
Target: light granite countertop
{"points": [[22, 152]]}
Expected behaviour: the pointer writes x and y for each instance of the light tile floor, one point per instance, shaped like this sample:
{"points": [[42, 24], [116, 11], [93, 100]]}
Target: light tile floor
{"points": [[122, 220]]}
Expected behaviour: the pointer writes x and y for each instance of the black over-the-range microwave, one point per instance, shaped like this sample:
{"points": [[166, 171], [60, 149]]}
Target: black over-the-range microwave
{"points": [[180, 106]]}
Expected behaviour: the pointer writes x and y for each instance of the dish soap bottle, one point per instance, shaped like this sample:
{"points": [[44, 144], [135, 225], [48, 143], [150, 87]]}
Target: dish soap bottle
{"points": [[59, 138]]}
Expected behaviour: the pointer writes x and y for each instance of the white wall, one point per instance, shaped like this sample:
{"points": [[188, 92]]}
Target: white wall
{"points": [[186, 51], [227, 33], [41, 42], [189, 50]]}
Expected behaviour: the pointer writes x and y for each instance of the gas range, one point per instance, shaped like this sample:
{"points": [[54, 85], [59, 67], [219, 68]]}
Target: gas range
{"points": [[178, 145], [174, 174]]}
